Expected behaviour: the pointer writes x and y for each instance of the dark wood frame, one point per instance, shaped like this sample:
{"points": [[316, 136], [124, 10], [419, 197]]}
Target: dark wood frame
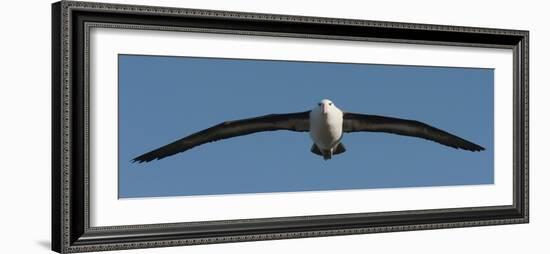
{"points": [[71, 22]]}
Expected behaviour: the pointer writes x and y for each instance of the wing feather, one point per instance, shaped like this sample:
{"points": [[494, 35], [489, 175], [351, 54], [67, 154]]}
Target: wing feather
{"points": [[372, 123], [291, 122]]}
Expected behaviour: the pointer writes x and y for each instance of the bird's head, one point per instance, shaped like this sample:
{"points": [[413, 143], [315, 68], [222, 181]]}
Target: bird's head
{"points": [[326, 106]]}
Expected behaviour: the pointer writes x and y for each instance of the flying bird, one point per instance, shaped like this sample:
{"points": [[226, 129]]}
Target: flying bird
{"points": [[326, 125]]}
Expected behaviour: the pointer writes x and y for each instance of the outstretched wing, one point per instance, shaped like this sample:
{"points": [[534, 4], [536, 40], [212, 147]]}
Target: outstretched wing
{"points": [[359, 122], [229, 129]]}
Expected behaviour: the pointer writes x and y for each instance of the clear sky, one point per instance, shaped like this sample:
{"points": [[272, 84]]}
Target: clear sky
{"points": [[162, 99]]}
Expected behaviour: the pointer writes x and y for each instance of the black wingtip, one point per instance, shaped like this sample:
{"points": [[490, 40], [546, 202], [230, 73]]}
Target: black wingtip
{"points": [[467, 146], [140, 160], [476, 148], [148, 157]]}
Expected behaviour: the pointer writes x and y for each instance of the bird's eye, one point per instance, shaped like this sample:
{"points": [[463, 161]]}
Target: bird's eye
{"points": [[330, 104]]}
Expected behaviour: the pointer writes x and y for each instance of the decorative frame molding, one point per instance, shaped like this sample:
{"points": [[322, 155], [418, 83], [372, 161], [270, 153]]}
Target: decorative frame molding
{"points": [[71, 22]]}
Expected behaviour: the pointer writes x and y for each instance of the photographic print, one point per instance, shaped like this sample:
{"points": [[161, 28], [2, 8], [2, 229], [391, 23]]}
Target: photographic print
{"points": [[213, 126], [174, 126]]}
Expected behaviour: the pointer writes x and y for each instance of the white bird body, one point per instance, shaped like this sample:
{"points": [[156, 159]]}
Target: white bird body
{"points": [[325, 129]]}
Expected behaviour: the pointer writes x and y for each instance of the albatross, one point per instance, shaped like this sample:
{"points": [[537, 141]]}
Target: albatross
{"points": [[326, 125]]}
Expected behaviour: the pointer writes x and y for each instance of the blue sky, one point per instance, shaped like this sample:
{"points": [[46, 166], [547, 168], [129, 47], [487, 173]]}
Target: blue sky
{"points": [[162, 99]]}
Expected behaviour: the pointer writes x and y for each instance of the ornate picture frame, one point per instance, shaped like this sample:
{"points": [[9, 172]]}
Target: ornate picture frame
{"points": [[71, 110]]}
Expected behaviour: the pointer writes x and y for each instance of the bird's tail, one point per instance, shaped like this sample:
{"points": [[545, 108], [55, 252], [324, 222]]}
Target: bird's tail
{"points": [[327, 154]]}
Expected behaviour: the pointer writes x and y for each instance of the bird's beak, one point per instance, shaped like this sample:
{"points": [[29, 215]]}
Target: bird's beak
{"points": [[325, 109]]}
